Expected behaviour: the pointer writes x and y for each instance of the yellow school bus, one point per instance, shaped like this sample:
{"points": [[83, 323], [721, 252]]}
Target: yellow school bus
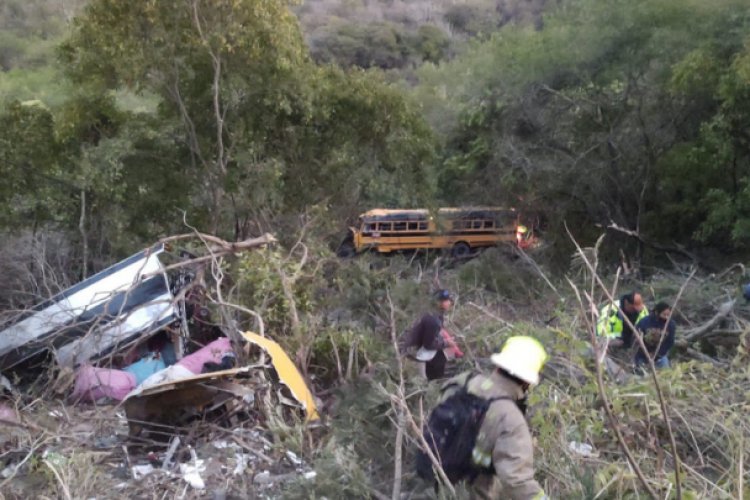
{"points": [[459, 229]]}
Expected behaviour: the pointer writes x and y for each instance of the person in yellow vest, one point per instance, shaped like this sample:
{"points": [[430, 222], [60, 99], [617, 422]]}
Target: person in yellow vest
{"points": [[611, 323], [503, 450]]}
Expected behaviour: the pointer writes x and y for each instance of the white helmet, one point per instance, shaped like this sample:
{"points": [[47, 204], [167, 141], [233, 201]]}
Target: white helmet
{"points": [[522, 357]]}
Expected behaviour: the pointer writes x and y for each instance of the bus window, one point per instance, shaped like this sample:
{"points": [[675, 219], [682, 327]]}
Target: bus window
{"points": [[477, 224], [399, 226], [413, 226], [384, 226], [423, 226], [369, 227], [488, 224]]}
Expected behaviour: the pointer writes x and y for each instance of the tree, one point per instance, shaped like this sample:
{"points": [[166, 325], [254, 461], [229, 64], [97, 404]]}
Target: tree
{"points": [[576, 119], [262, 126], [28, 152], [707, 179], [221, 55]]}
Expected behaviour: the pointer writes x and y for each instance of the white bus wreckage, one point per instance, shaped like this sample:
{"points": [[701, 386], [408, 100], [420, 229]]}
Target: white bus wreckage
{"points": [[86, 322], [126, 304]]}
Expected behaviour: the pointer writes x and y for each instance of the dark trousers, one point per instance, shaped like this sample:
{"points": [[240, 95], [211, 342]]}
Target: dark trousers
{"points": [[435, 368]]}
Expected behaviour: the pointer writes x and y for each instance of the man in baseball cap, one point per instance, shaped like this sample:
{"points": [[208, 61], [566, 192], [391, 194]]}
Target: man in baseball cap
{"points": [[431, 340]]}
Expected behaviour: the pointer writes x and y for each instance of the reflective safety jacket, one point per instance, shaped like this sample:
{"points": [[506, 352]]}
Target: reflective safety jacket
{"points": [[611, 323]]}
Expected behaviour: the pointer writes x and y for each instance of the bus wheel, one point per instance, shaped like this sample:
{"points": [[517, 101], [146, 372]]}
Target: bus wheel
{"points": [[346, 250], [460, 249]]}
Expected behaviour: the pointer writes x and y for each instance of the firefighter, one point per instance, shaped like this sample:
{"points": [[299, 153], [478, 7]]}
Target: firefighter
{"points": [[503, 445], [612, 325]]}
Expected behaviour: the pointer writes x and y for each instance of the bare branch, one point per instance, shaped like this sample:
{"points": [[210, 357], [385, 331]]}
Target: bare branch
{"points": [[664, 248], [703, 330], [613, 421]]}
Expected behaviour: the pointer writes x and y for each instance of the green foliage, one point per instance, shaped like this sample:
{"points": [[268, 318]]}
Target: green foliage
{"points": [[715, 195], [29, 33], [432, 43], [290, 134], [45, 84], [587, 119], [472, 19], [380, 45], [27, 159], [262, 277], [383, 45], [496, 270]]}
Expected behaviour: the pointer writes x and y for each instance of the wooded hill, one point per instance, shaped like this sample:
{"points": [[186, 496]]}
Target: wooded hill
{"points": [[601, 113], [130, 121]]}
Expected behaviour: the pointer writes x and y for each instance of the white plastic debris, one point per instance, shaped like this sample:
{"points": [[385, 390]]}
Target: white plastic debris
{"points": [[5, 384], [242, 459], [221, 445], [293, 458], [191, 473], [141, 471], [8, 471], [310, 475], [582, 449]]}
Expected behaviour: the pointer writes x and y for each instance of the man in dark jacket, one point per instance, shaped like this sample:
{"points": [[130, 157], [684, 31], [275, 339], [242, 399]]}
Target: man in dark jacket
{"points": [[658, 335], [430, 340]]}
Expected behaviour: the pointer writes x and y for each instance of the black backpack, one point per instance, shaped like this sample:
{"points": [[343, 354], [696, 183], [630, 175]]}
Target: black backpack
{"points": [[451, 432]]}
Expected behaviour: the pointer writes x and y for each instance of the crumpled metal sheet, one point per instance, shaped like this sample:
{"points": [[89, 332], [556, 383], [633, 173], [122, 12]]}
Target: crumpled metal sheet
{"points": [[174, 402]]}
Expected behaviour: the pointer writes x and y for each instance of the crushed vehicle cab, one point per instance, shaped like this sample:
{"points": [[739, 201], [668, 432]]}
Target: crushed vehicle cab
{"points": [[128, 301]]}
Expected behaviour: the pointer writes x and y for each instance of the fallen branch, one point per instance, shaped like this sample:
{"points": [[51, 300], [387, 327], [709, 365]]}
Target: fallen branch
{"points": [[63, 486], [731, 268], [220, 248], [703, 330], [704, 357]]}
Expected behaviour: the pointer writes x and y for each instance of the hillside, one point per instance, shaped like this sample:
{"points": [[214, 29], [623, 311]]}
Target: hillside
{"points": [[617, 130], [405, 34]]}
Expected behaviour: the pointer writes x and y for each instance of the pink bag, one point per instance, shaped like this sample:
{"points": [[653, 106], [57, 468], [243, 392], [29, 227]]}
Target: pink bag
{"points": [[94, 383], [212, 352]]}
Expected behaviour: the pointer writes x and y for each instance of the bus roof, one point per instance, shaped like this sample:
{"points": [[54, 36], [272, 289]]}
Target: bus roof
{"points": [[423, 213]]}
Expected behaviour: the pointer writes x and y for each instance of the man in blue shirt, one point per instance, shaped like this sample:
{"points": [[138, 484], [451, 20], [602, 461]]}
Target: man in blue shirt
{"points": [[658, 333]]}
